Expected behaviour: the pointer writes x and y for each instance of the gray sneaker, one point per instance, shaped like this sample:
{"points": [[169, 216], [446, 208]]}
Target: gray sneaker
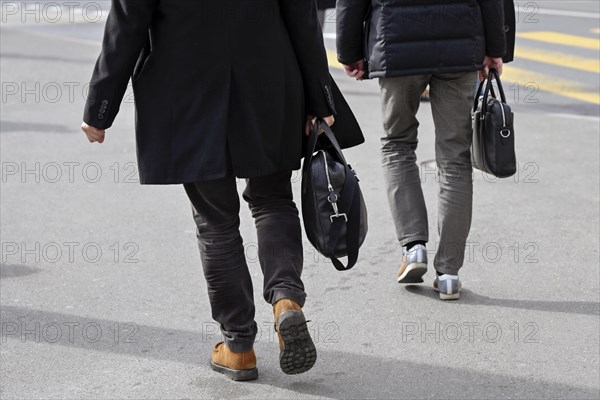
{"points": [[414, 265], [448, 285]]}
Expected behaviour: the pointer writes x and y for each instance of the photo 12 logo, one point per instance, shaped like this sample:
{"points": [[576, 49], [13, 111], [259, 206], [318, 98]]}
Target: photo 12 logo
{"points": [[469, 332], [69, 252], [53, 12], [69, 332], [69, 172]]}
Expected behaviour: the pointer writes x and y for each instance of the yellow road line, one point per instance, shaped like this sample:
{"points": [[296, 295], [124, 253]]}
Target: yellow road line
{"points": [[551, 84], [332, 60], [562, 38], [560, 59], [545, 82]]}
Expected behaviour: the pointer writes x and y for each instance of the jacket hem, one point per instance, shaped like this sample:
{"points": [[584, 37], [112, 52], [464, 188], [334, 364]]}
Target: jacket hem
{"points": [[202, 177], [424, 71]]}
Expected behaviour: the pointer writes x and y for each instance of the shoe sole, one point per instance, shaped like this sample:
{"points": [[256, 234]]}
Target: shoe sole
{"points": [[235, 374], [443, 296], [299, 353], [454, 296], [413, 273]]}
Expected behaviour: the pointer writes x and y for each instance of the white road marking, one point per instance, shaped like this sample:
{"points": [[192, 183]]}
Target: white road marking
{"points": [[564, 13], [60, 37], [575, 116]]}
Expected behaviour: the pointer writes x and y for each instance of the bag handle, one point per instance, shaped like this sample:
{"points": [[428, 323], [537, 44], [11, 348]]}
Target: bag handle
{"points": [[321, 125], [496, 77], [492, 75]]}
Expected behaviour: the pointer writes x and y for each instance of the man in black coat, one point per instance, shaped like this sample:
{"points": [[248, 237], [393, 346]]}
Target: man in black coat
{"points": [[409, 44], [224, 89]]}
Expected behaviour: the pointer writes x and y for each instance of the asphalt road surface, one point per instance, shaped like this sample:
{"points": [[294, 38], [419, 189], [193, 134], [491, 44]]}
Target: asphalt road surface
{"points": [[101, 289]]}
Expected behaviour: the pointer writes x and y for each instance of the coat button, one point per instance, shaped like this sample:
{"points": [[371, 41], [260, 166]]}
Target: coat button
{"points": [[105, 102], [100, 116]]}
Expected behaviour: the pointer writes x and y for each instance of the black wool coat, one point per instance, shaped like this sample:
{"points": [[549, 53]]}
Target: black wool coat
{"points": [[221, 86], [413, 37], [325, 4]]}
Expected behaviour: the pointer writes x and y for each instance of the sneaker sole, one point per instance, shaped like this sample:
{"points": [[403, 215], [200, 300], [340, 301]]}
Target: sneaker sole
{"points": [[454, 296], [235, 374], [413, 273], [299, 353]]}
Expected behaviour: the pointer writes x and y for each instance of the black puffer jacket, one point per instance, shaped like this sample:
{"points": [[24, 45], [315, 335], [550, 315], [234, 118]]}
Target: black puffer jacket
{"points": [[412, 37], [510, 30]]}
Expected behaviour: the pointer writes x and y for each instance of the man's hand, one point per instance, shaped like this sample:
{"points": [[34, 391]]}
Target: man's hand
{"points": [[356, 70], [310, 122], [93, 134], [490, 62]]}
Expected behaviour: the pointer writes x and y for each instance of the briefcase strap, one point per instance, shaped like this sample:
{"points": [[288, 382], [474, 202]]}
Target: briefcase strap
{"points": [[351, 204]]}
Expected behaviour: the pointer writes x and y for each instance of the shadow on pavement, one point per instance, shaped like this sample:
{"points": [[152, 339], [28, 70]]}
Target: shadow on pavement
{"points": [[18, 56], [9, 126], [469, 297], [337, 374], [16, 271]]}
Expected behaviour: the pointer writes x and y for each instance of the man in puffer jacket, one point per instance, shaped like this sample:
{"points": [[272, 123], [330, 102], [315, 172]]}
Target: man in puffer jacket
{"points": [[409, 44]]}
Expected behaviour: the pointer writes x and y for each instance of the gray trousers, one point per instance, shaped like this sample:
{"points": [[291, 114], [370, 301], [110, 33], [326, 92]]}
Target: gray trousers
{"points": [[216, 208], [451, 98]]}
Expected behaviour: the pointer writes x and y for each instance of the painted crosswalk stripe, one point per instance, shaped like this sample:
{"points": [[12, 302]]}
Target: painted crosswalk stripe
{"points": [[552, 84], [562, 38], [559, 59], [332, 60]]}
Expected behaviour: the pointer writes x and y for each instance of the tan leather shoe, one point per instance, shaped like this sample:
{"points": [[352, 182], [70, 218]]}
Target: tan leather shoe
{"points": [[237, 366], [297, 350]]}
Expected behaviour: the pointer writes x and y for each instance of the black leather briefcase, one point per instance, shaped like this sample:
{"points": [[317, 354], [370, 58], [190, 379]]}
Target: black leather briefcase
{"points": [[493, 148]]}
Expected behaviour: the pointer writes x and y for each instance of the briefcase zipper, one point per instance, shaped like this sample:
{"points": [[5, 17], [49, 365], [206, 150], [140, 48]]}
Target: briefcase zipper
{"points": [[332, 198], [504, 132], [329, 187]]}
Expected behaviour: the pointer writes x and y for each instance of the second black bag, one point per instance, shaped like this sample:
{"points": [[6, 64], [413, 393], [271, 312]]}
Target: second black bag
{"points": [[333, 208]]}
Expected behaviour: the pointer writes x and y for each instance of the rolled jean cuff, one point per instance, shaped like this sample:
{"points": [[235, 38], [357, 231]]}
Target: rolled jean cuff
{"points": [[298, 297], [242, 339], [447, 270], [239, 346]]}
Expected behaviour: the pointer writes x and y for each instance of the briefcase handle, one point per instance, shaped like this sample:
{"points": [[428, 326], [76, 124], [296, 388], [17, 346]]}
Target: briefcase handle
{"points": [[492, 75], [319, 129]]}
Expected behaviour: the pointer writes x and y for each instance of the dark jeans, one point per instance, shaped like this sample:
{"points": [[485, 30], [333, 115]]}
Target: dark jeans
{"points": [[216, 207]]}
